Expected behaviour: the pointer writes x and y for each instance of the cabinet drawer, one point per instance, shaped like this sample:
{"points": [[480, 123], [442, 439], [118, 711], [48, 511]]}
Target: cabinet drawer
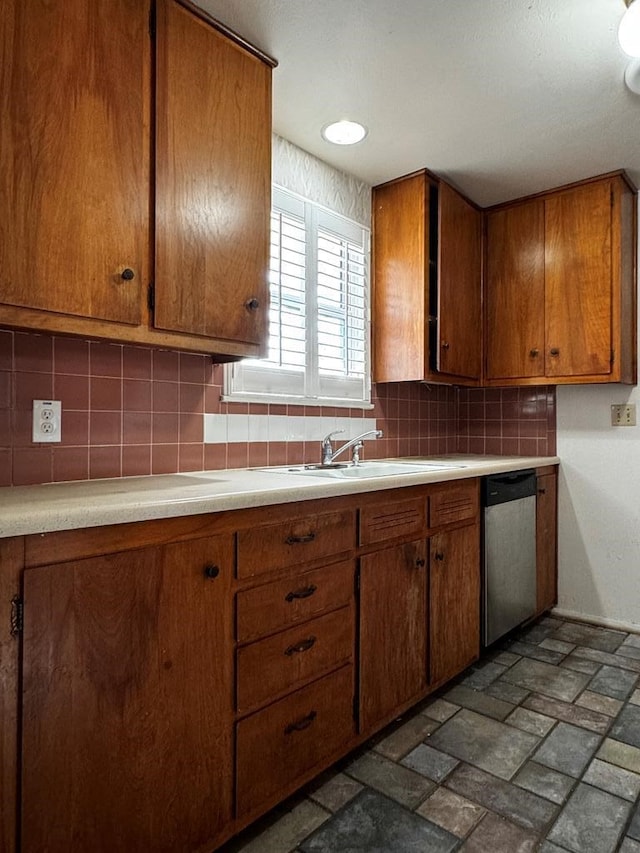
{"points": [[275, 665], [299, 540], [283, 603], [277, 746], [392, 520], [457, 502]]}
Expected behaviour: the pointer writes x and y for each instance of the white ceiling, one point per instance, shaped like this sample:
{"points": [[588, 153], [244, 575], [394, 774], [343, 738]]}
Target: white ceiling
{"points": [[502, 97]]}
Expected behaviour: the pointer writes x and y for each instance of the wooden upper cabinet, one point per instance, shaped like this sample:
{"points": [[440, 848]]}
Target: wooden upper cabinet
{"points": [[78, 185], [400, 279], [460, 287], [128, 701], [578, 266], [74, 170], [213, 181], [426, 283], [515, 291], [560, 286]]}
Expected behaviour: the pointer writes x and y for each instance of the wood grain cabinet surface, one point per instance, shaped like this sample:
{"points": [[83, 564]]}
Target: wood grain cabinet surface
{"points": [[560, 286], [547, 539], [179, 678], [79, 189], [427, 264], [126, 708]]}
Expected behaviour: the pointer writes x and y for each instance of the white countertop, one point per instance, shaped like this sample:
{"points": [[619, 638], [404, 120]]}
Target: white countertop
{"points": [[92, 503]]}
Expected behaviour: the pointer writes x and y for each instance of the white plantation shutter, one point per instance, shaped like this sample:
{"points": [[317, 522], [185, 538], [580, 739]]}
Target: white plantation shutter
{"points": [[319, 311]]}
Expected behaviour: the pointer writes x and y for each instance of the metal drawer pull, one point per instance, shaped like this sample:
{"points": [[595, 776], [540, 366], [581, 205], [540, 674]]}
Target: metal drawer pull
{"points": [[305, 592], [439, 555], [302, 646], [301, 725], [300, 540]]}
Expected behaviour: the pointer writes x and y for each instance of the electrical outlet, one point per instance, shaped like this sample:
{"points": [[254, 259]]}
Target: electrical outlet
{"points": [[47, 421], [623, 415]]}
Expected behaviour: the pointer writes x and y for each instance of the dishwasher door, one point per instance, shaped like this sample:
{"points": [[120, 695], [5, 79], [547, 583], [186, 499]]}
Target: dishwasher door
{"points": [[509, 553]]}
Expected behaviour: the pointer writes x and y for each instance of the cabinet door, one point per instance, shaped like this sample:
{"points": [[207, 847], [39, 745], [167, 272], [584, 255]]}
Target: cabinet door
{"points": [[393, 631], [454, 596], [127, 701], [213, 181], [546, 542], [578, 281], [515, 292], [460, 286], [74, 183], [400, 281]]}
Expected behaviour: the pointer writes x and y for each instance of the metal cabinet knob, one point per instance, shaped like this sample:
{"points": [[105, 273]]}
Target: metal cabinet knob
{"points": [[252, 304], [554, 351], [420, 563], [445, 344], [127, 274], [439, 555], [211, 571], [534, 353]]}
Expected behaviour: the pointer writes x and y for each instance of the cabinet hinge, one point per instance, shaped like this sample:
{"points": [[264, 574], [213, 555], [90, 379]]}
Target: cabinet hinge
{"points": [[152, 19], [151, 297], [17, 615]]}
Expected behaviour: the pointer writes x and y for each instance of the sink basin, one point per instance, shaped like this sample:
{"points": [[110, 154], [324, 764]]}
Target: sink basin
{"points": [[366, 470]]}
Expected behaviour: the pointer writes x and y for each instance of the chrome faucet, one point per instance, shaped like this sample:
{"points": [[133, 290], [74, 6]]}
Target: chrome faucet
{"points": [[329, 454]]}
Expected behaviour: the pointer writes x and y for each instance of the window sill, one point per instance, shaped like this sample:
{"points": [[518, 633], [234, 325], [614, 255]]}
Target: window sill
{"points": [[284, 399]]}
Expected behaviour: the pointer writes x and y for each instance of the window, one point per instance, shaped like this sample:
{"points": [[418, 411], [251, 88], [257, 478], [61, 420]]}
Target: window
{"points": [[319, 311]]}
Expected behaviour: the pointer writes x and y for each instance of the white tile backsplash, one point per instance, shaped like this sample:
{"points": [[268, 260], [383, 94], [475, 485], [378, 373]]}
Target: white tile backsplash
{"points": [[227, 429]]}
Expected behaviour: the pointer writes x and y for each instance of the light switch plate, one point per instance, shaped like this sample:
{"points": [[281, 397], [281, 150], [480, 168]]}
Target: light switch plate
{"points": [[47, 421], [623, 414]]}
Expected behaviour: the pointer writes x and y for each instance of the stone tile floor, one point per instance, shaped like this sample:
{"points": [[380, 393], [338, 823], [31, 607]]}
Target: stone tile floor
{"points": [[535, 748]]}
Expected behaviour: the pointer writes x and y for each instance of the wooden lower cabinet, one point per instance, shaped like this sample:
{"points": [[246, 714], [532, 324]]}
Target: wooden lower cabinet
{"points": [[546, 541], [454, 602], [179, 678], [393, 631], [127, 703], [278, 747]]}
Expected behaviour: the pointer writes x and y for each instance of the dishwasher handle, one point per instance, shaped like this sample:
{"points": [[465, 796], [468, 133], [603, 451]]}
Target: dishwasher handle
{"points": [[513, 486]]}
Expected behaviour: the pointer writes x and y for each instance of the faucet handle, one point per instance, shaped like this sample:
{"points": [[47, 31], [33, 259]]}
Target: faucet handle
{"points": [[327, 439]]}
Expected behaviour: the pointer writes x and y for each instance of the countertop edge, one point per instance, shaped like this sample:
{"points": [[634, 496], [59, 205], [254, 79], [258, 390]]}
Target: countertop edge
{"points": [[32, 510]]}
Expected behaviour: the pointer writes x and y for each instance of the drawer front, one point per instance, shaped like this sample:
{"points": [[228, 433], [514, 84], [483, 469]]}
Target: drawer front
{"points": [[277, 746], [279, 664], [300, 540], [459, 502], [381, 522], [281, 604]]}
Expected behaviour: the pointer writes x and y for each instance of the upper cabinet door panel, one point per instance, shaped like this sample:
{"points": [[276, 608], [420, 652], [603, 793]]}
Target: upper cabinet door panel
{"points": [[515, 291], [213, 181], [400, 254], [578, 225], [459, 314], [74, 165]]}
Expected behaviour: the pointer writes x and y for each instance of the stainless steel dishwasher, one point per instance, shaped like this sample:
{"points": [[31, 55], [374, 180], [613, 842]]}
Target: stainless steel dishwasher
{"points": [[509, 565]]}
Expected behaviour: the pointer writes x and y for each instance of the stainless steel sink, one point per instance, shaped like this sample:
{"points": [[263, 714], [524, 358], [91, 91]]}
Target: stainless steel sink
{"points": [[366, 470]]}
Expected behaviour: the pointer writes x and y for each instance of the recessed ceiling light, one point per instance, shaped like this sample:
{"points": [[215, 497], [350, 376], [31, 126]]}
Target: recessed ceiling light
{"points": [[344, 132]]}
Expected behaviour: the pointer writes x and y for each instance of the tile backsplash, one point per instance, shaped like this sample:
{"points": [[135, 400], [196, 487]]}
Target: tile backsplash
{"points": [[130, 410]]}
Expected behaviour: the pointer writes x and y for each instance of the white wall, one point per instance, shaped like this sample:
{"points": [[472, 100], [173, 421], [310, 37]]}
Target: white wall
{"points": [[599, 506]]}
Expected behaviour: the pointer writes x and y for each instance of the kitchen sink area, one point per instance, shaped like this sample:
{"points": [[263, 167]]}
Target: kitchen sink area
{"points": [[366, 470]]}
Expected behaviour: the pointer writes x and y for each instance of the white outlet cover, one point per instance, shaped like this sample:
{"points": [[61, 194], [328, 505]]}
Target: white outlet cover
{"points": [[47, 421]]}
